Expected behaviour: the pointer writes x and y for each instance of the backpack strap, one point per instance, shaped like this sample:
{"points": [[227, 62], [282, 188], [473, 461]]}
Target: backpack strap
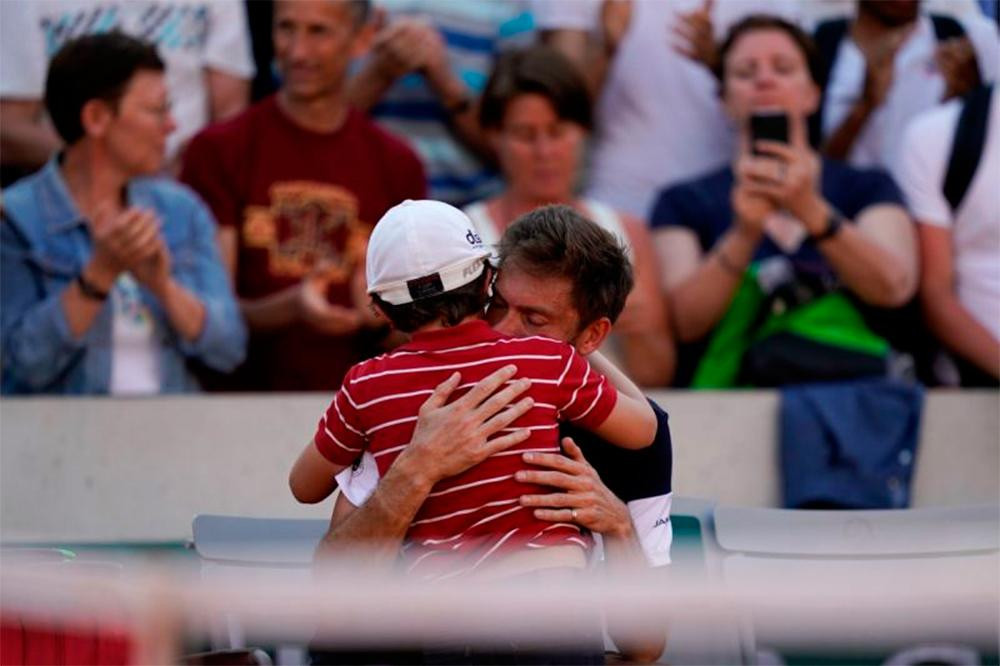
{"points": [[828, 36], [946, 27], [967, 146]]}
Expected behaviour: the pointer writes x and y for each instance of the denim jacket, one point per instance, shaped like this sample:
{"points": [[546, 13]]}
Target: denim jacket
{"points": [[45, 242]]}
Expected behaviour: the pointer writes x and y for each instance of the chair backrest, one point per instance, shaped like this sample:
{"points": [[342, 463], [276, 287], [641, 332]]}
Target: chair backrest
{"points": [[888, 550], [257, 541], [900, 533]]}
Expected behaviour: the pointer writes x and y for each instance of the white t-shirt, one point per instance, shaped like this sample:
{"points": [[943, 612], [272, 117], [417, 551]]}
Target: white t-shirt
{"points": [[975, 227], [190, 35], [135, 354], [917, 86], [659, 120]]}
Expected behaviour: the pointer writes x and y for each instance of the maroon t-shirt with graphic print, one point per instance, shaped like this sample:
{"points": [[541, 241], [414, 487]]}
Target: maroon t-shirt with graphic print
{"points": [[301, 202]]}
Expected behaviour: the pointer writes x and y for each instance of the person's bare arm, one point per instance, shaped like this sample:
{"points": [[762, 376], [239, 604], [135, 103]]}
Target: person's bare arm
{"points": [[699, 286], [27, 138], [184, 310], [879, 61], [643, 327], [410, 44], [120, 241], [947, 318], [462, 110], [695, 36], [394, 54], [277, 310], [631, 423], [305, 301], [841, 140], [228, 94], [312, 477], [448, 439], [583, 51], [877, 257], [580, 496], [957, 62], [593, 53]]}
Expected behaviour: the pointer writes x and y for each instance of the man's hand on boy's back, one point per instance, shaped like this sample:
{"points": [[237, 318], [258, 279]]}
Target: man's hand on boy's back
{"points": [[449, 438], [452, 437], [580, 497]]}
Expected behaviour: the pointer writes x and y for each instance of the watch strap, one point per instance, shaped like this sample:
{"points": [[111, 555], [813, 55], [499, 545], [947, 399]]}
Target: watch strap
{"points": [[89, 289], [834, 222]]}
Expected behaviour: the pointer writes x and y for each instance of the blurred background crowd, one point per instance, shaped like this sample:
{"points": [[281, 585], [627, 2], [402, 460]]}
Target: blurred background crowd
{"points": [[808, 190]]}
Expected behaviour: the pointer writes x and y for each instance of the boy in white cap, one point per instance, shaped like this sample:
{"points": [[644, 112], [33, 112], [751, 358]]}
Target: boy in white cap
{"points": [[428, 273]]}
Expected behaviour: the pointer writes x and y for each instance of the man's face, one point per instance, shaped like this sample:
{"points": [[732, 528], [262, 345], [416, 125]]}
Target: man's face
{"points": [[314, 41], [525, 304]]}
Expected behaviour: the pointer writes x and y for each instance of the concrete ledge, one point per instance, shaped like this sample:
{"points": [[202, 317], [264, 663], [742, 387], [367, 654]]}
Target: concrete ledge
{"points": [[101, 469]]}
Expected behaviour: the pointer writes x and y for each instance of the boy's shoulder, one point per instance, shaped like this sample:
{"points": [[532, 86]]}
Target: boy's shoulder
{"points": [[487, 343]]}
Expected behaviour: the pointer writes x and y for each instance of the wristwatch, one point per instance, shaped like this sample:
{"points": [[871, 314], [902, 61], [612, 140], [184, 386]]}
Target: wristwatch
{"points": [[834, 221], [89, 289]]}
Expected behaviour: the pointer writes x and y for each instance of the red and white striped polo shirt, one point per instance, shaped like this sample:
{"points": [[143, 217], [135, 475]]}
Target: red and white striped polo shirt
{"points": [[473, 517]]}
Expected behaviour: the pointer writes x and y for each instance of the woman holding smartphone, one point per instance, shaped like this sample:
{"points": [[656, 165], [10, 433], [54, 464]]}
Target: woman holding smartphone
{"points": [[830, 226]]}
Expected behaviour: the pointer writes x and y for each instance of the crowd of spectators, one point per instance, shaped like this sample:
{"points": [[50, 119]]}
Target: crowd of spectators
{"points": [[164, 232]]}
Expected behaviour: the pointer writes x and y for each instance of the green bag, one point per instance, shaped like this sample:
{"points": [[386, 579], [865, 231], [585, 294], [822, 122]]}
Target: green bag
{"points": [[824, 336]]}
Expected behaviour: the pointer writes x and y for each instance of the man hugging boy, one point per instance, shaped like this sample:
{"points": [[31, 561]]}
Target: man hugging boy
{"points": [[428, 273]]}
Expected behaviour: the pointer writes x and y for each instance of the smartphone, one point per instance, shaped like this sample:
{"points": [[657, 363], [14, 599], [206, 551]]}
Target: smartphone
{"points": [[768, 126]]}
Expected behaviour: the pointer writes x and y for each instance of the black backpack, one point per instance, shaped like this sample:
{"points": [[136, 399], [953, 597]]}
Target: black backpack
{"points": [[829, 35]]}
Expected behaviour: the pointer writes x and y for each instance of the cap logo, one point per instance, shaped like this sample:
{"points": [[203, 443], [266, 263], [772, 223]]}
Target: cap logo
{"points": [[426, 286], [472, 270], [473, 238]]}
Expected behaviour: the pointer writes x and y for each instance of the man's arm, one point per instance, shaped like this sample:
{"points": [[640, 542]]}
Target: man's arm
{"points": [[879, 64], [227, 94], [593, 53], [408, 45], [947, 318], [448, 439]]}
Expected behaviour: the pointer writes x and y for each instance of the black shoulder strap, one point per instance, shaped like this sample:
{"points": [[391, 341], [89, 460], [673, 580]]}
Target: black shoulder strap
{"points": [[946, 27], [828, 36], [967, 146]]}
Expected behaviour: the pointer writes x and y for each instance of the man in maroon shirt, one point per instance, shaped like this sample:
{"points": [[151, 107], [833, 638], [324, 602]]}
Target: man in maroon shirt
{"points": [[296, 183]]}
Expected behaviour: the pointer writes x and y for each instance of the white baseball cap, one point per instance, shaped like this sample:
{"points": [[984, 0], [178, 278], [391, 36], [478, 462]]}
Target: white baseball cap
{"points": [[421, 249]]}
